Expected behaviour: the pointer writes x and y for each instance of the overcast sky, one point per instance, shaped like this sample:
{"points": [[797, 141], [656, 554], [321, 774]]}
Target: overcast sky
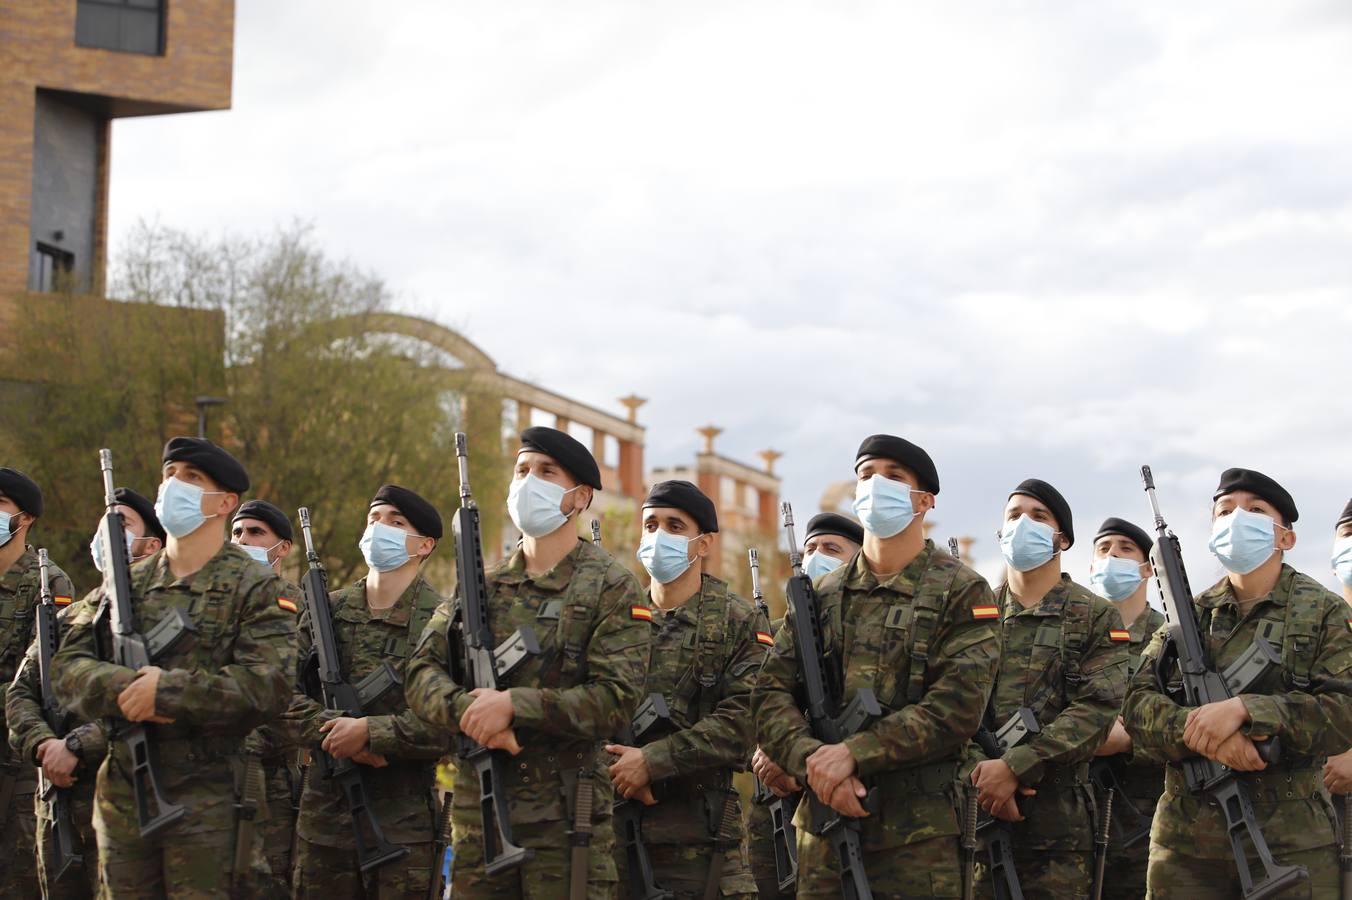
{"points": [[1039, 239]]}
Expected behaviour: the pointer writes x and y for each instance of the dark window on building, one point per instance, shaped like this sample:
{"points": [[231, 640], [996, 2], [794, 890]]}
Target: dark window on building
{"points": [[132, 26], [51, 269]]}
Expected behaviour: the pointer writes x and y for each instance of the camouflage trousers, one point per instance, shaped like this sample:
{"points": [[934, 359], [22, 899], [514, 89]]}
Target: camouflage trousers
{"points": [[18, 862], [81, 881], [1063, 874], [917, 871], [277, 831], [330, 873], [545, 876], [1124, 875], [760, 842], [196, 866], [1177, 876], [684, 871]]}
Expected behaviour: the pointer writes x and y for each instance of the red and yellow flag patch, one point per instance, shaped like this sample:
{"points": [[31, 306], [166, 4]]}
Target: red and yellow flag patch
{"points": [[764, 638], [641, 612], [1119, 634], [985, 612], [287, 604], [61, 601]]}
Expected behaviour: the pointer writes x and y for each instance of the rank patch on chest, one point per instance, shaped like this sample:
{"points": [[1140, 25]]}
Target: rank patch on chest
{"points": [[287, 604], [65, 601], [641, 612], [764, 638], [1118, 634], [985, 612]]}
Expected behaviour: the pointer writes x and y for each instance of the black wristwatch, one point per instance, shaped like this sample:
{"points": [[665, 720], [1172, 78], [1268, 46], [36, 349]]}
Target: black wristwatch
{"points": [[74, 746]]}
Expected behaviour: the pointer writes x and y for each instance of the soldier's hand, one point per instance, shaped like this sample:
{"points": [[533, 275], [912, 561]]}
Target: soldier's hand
{"points": [[57, 762], [780, 783], [646, 797], [488, 713], [847, 798], [1239, 753], [374, 760], [1211, 724], [504, 740], [1009, 812], [629, 772], [996, 784], [345, 737], [1117, 741], [827, 767], [137, 700], [1338, 773]]}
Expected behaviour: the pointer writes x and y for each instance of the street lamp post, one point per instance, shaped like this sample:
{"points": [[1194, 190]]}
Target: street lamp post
{"points": [[202, 403]]}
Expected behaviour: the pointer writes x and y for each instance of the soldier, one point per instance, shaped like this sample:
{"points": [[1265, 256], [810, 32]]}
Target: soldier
{"points": [[73, 761], [1120, 572], [1303, 701], [376, 619], [1338, 769], [200, 697], [20, 507], [592, 623], [707, 644], [1065, 658], [264, 532], [831, 539], [916, 626]]}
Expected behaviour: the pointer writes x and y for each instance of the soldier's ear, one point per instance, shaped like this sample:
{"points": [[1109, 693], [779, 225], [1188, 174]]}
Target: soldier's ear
{"points": [[1286, 539]]}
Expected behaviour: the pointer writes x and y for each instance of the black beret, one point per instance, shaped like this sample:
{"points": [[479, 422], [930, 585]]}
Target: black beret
{"points": [[219, 466], [1052, 499], [834, 523], [1114, 525], [420, 514], [23, 490], [687, 498], [144, 508], [900, 450], [1346, 516], [1257, 483], [268, 514], [567, 450]]}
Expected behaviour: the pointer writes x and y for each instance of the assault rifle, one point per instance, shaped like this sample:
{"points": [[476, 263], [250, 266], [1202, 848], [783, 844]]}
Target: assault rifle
{"points": [[652, 717], [1185, 649], [324, 681], [829, 717], [995, 834], [62, 843], [476, 663], [781, 808]]}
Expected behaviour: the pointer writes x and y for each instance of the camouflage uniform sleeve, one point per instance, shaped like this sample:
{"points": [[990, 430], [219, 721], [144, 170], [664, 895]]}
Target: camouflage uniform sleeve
{"points": [[781, 728], [23, 709], [83, 683], [431, 693], [617, 663], [1092, 707], [93, 744], [299, 725], [1317, 721], [1154, 721], [722, 739], [405, 736], [255, 686], [961, 672], [61, 587]]}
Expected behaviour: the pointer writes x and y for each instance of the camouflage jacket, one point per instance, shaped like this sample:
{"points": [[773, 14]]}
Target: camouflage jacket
{"points": [[936, 608], [703, 661], [1305, 701], [232, 674], [270, 742], [19, 590], [400, 793], [592, 622], [1141, 778], [28, 727]]}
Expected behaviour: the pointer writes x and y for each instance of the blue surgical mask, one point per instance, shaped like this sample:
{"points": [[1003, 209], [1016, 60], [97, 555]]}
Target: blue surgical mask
{"points": [[259, 553], [1027, 544], [1114, 577], [535, 505], [384, 547], [1342, 559], [665, 556], [5, 533], [816, 564], [96, 547], [1243, 540], [179, 507], [883, 505]]}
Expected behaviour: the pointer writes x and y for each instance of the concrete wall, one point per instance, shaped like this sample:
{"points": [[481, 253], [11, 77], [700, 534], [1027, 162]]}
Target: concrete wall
{"points": [[67, 144]]}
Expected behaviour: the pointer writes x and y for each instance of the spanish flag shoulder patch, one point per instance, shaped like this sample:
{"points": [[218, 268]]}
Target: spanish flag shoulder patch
{"points": [[985, 612], [287, 604], [641, 612], [764, 638], [1119, 634], [61, 601]]}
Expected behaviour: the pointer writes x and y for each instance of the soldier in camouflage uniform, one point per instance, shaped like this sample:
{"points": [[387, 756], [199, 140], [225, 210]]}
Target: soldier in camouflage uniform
{"points": [[915, 625], [1304, 701], [1065, 658], [20, 507], [1338, 769], [829, 541], [1120, 572], [199, 699], [590, 617], [707, 644], [72, 762], [377, 619], [264, 532]]}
